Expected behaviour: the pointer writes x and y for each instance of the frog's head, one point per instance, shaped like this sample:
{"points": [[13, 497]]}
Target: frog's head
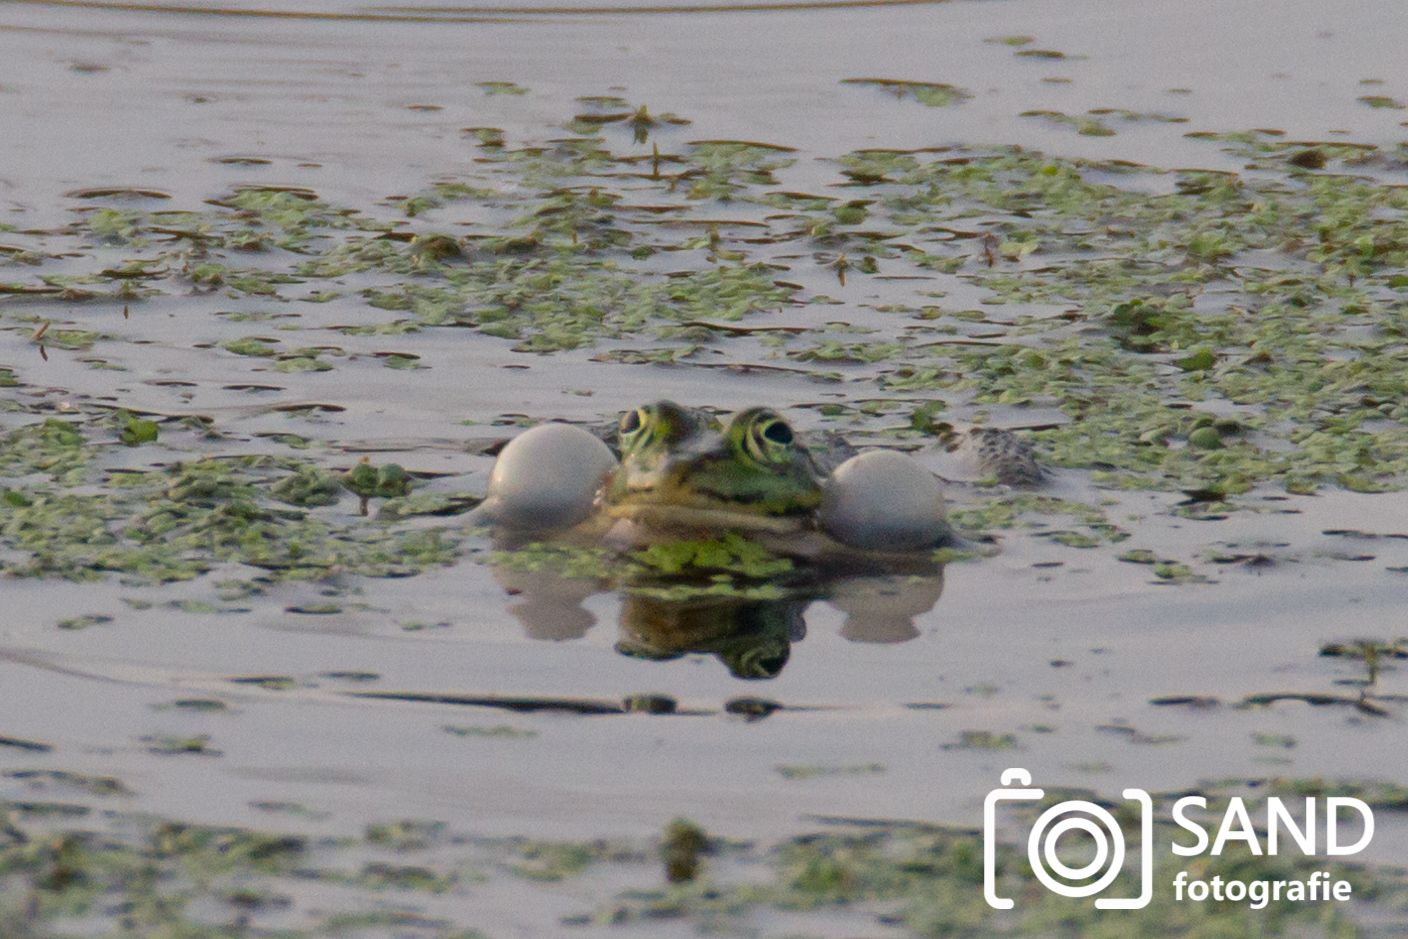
{"points": [[683, 468]]}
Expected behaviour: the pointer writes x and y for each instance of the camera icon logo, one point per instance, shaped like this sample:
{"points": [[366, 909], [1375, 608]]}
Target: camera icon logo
{"points": [[1071, 815]]}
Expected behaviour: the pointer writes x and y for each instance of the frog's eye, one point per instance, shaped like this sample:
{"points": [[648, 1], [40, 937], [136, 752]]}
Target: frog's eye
{"points": [[631, 422], [769, 438], [777, 432], [634, 425], [764, 661]]}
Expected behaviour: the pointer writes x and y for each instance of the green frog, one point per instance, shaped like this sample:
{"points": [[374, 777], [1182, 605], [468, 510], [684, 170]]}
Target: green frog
{"points": [[684, 469], [856, 529], [684, 472]]}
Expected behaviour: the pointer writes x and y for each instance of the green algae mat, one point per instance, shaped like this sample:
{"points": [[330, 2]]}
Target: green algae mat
{"points": [[1180, 331]]}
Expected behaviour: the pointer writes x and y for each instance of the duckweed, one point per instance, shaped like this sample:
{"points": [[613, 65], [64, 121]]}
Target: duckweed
{"points": [[176, 879], [1138, 302], [176, 523], [932, 94], [727, 567]]}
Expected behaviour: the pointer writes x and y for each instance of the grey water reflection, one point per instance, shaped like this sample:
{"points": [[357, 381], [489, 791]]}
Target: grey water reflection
{"points": [[752, 637]]}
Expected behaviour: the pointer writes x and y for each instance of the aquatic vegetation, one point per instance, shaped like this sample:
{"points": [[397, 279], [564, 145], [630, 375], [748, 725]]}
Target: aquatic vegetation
{"points": [[681, 848], [178, 879], [177, 523], [928, 881], [983, 740], [1227, 334], [1381, 101], [730, 554], [809, 771], [933, 94], [727, 567], [134, 431], [1012, 40], [502, 88], [497, 731], [1085, 126]]}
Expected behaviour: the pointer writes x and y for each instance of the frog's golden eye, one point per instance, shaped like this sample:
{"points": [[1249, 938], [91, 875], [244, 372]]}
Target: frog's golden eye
{"points": [[768, 438], [637, 428], [632, 421]]}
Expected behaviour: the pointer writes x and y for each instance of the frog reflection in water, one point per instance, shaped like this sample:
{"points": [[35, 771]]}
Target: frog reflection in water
{"points": [[858, 530]]}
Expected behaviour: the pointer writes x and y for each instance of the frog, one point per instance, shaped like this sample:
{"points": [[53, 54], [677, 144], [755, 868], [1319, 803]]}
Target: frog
{"points": [[677, 495], [687, 473]]}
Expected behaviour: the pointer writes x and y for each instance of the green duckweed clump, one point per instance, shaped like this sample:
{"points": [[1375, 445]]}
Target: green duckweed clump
{"points": [[68, 517]]}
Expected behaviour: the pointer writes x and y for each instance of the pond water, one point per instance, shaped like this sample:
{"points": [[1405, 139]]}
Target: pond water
{"points": [[209, 218]]}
